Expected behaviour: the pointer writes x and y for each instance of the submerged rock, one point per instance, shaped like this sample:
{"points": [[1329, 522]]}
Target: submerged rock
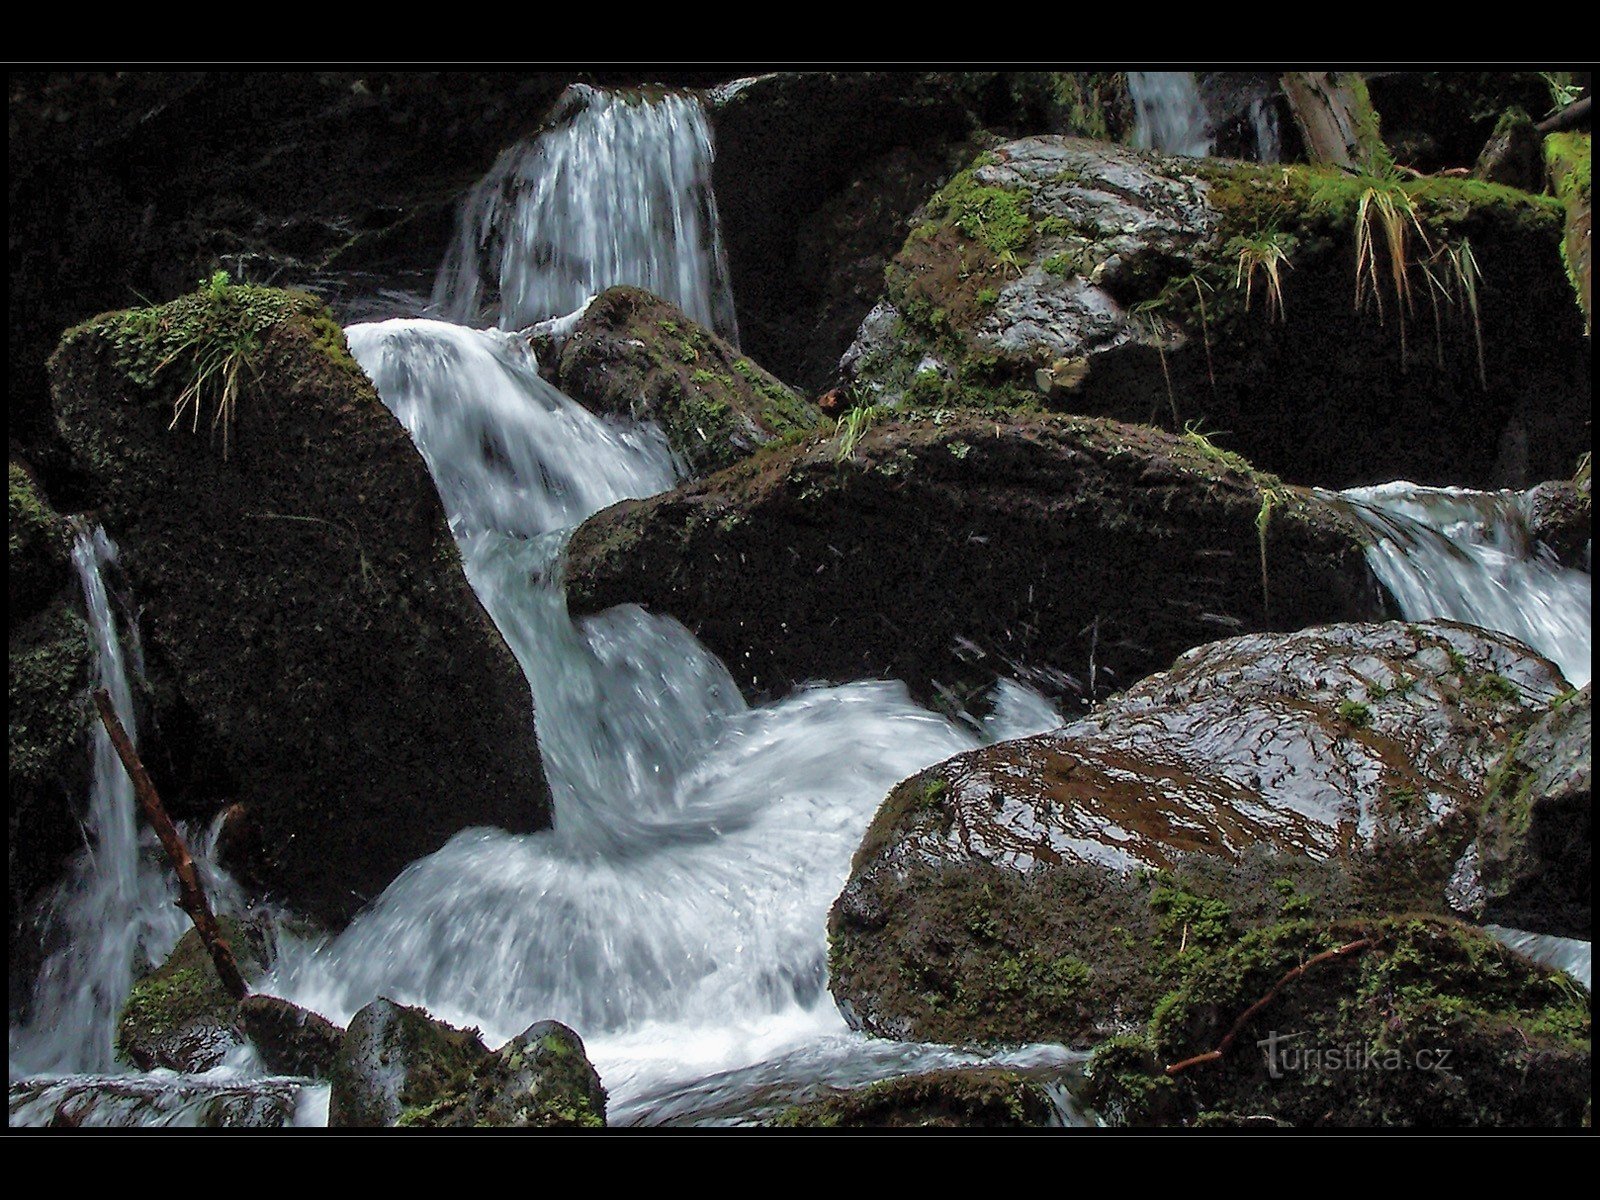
{"points": [[1049, 888], [1411, 1021], [310, 638], [135, 1102], [399, 1066], [963, 1098], [1103, 280], [950, 550], [180, 1016], [633, 354]]}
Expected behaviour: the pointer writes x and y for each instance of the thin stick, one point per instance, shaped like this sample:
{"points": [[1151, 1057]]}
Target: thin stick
{"points": [[1222, 1046], [191, 895]]}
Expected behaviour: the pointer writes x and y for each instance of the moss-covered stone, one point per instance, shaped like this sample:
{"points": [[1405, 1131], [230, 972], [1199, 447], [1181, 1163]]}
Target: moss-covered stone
{"points": [[634, 353], [180, 1016], [38, 546], [1567, 156], [541, 1079], [1418, 1021], [970, 1098]]}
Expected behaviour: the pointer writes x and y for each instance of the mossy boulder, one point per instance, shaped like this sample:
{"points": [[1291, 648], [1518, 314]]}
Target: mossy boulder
{"points": [[1514, 155], [1406, 1021], [634, 354], [1102, 280], [290, 1040], [399, 1066], [180, 1016], [1568, 157], [310, 638], [1048, 888], [1536, 858], [962, 1098], [38, 546], [1095, 549]]}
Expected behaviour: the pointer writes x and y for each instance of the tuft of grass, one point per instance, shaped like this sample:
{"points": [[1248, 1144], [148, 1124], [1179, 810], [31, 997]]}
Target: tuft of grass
{"points": [[1268, 256], [852, 427]]}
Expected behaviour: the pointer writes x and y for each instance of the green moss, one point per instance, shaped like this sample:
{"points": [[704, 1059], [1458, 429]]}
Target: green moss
{"points": [[183, 991], [47, 709], [992, 216], [33, 525], [962, 1098], [1355, 714]]}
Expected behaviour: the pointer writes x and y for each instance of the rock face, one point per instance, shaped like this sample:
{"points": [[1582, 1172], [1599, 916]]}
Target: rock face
{"points": [[1043, 889], [1099, 549], [1535, 850], [179, 1016], [1102, 280], [633, 354], [974, 1098], [317, 656], [1402, 1022], [399, 1066]]}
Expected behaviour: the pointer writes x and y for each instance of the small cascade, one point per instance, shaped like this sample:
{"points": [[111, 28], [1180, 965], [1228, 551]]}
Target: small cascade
{"points": [[616, 189], [114, 914], [1468, 556], [1264, 125], [1169, 114], [1571, 955]]}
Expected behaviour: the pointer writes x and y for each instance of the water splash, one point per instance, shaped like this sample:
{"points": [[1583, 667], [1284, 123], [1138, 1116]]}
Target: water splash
{"points": [[1469, 556], [1169, 114], [616, 189]]}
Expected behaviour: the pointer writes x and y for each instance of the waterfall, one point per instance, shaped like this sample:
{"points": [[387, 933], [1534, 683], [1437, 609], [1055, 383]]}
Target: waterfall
{"points": [[1264, 124], [676, 913], [1469, 556], [114, 914], [616, 189], [1169, 114]]}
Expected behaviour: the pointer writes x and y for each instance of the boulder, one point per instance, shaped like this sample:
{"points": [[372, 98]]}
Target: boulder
{"points": [[1378, 1023], [1535, 857], [179, 1016], [962, 1098], [290, 1040], [1560, 517], [1514, 154], [1096, 549], [311, 640], [541, 1079], [1050, 888], [633, 354], [1103, 280]]}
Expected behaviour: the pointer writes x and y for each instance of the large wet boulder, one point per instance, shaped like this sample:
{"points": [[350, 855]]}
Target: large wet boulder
{"points": [[1050, 888], [960, 1098], [950, 550], [1561, 518], [316, 655], [1379, 1023], [633, 354], [47, 710], [397, 1066], [179, 1016], [1098, 279], [1536, 857]]}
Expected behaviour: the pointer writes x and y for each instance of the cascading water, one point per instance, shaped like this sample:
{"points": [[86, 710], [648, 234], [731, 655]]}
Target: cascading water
{"points": [[1169, 114], [617, 189], [676, 914], [114, 915], [1264, 124], [1468, 556]]}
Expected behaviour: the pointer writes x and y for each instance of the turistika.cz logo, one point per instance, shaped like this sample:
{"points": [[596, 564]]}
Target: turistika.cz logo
{"points": [[1286, 1055]]}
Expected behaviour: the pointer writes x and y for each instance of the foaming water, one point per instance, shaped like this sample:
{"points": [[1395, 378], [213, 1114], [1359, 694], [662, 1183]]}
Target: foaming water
{"points": [[1468, 556], [616, 189], [1169, 114], [676, 914]]}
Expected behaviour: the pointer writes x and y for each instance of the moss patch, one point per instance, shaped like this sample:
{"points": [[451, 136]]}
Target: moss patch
{"points": [[955, 1099]]}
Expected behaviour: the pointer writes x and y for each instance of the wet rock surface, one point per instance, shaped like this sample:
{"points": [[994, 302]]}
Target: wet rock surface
{"points": [[973, 1098], [180, 1016], [1098, 549], [1040, 888], [129, 1102], [1560, 516], [290, 1040]]}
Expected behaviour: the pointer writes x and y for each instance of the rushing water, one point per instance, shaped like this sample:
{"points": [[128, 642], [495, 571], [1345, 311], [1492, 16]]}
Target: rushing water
{"points": [[1468, 556], [617, 189], [1169, 114], [1264, 124]]}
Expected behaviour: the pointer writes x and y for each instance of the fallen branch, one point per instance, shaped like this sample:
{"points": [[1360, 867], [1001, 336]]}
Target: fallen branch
{"points": [[1573, 114], [191, 895], [1354, 947]]}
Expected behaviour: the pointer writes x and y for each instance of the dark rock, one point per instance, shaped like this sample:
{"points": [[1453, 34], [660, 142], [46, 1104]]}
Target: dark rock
{"points": [[541, 1079], [634, 354], [1534, 838], [395, 1060], [290, 1040], [1560, 516], [134, 1102], [180, 1016], [1098, 549], [963, 1098], [1102, 280], [1420, 1022], [308, 631], [1047, 888], [1514, 154], [1433, 120]]}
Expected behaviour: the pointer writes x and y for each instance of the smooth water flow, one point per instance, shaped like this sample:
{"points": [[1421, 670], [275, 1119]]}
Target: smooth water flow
{"points": [[1169, 114], [616, 189], [1468, 556]]}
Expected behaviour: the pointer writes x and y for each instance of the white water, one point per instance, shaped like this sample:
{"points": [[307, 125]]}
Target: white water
{"points": [[1468, 556], [617, 189], [114, 914], [1169, 114], [1264, 123]]}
